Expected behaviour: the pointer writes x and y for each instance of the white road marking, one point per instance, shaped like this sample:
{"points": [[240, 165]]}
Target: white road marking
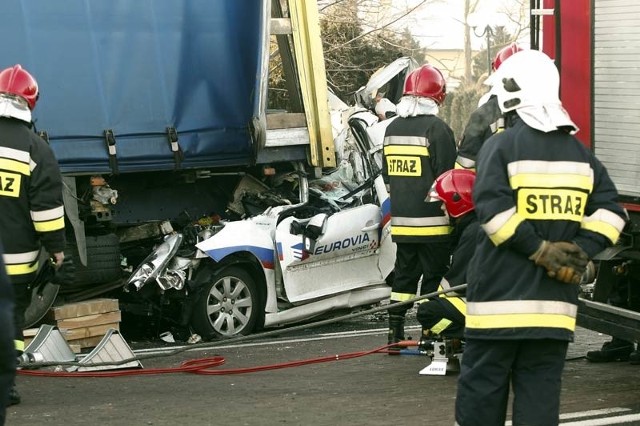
{"points": [[602, 421], [628, 418]]}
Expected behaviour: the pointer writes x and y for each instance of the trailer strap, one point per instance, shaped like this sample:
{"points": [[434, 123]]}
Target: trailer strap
{"points": [[111, 149], [172, 136]]}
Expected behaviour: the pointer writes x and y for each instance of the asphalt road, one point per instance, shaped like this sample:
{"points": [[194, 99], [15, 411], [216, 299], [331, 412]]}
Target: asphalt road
{"points": [[375, 389]]}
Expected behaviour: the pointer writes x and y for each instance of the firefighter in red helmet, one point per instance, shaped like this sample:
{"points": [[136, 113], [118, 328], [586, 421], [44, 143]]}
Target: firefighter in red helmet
{"points": [[418, 146], [445, 315], [485, 120], [30, 195]]}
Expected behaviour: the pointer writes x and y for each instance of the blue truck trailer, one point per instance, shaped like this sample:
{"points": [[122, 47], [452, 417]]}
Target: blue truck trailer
{"points": [[157, 112]]}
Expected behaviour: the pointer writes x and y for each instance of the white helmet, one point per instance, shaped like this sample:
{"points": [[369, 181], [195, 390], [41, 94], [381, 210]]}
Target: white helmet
{"points": [[529, 83]]}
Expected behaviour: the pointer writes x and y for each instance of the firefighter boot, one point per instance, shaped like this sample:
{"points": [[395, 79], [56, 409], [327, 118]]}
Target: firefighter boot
{"points": [[634, 357], [615, 350], [14, 396], [396, 332]]}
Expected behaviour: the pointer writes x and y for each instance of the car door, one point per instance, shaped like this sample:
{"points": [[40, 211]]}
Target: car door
{"points": [[344, 257]]}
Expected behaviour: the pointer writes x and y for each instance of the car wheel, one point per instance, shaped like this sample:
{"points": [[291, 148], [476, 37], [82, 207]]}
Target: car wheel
{"points": [[228, 305]]}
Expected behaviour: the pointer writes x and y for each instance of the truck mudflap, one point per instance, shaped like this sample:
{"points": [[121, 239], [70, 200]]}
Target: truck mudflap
{"points": [[154, 85], [608, 319]]}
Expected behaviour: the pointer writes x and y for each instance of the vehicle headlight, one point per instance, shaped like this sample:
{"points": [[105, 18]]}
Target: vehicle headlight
{"points": [[155, 263]]}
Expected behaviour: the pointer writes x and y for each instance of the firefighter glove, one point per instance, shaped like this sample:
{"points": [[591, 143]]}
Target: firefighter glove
{"points": [[65, 273], [563, 260]]}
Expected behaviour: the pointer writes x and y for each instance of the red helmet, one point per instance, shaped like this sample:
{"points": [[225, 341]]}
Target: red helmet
{"points": [[453, 188], [18, 82], [503, 54], [428, 82]]}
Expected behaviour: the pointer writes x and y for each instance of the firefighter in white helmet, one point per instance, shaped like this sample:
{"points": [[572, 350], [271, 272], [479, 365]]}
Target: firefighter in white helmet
{"points": [[545, 205]]}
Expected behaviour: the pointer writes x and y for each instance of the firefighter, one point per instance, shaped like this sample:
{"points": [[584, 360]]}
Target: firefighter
{"points": [[30, 194], [545, 205], [418, 147], [486, 119], [7, 351], [445, 315]]}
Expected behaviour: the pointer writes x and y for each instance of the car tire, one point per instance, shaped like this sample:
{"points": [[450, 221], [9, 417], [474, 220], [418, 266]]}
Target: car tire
{"points": [[228, 305]]}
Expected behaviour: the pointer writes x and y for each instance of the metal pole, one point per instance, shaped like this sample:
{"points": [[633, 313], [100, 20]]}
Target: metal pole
{"points": [[488, 31]]}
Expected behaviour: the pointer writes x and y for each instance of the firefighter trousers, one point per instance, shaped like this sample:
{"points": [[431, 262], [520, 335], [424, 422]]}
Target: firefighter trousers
{"points": [[22, 301], [532, 367], [7, 355], [413, 260]]}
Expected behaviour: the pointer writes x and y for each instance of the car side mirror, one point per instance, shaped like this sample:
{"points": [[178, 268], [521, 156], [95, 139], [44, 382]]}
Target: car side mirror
{"points": [[316, 226]]}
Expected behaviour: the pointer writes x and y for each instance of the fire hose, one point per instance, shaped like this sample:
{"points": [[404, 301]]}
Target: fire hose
{"points": [[205, 365]]}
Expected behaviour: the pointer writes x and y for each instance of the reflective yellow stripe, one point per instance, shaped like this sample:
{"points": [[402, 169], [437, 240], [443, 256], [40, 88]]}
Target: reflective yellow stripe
{"points": [[604, 222], [603, 228], [537, 180], [423, 231], [507, 230], [457, 303], [441, 326], [49, 225], [22, 269], [551, 204], [406, 150], [15, 166], [19, 345], [520, 321], [401, 297]]}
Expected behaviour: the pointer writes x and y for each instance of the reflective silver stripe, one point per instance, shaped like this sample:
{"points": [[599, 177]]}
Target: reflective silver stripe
{"points": [[496, 125], [467, 163], [50, 214], [444, 283], [17, 258], [549, 167], [420, 221], [406, 140], [498, 221], [522, 307], [32, 165], [15, 154], [606, 216]]}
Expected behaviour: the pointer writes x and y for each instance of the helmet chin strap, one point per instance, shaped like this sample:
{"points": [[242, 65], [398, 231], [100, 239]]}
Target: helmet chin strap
{"points": [[11, 107]]}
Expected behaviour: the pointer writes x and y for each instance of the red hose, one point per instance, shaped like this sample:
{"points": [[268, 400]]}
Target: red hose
{"points": [[205, 366]]}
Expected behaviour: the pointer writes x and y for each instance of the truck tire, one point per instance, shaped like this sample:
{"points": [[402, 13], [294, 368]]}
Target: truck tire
{"points": [[103, 262], [228, 305]]}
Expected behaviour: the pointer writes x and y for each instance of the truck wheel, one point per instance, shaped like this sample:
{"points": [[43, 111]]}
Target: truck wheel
{"points": [[229, 305], [103, 262]]}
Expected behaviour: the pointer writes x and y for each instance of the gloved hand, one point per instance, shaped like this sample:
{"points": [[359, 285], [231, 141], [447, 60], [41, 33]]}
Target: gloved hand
{"points": [[563, 260], [65, 273]]}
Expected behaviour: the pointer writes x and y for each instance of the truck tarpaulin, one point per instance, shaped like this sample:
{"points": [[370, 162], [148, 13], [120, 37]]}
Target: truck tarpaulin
{"points": [[137, 69]]}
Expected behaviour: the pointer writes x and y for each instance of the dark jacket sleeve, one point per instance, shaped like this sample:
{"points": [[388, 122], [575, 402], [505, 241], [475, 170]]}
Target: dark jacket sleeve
{"points": [[458, 271], [45, 197], [442, 147], [604, 198], [493, 195], [477, 131]]}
